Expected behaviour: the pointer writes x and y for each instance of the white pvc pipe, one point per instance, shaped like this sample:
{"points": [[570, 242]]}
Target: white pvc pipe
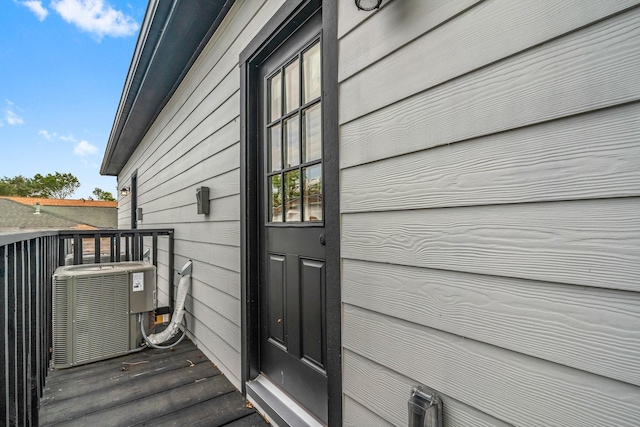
{"points": [[154, 340]]}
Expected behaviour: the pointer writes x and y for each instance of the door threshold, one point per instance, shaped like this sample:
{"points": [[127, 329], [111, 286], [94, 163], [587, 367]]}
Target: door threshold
{"points": [[281, 409]]}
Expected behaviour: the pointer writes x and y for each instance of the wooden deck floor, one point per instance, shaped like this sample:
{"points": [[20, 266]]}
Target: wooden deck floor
{"points": [[178, 387]]}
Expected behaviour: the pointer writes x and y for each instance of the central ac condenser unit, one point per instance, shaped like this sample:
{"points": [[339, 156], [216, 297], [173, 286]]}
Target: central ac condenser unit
{"points": [[90, 258], [97, 310]]}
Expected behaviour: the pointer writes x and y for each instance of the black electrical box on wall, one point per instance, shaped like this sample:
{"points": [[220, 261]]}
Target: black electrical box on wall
{"points": [[202, 197]]}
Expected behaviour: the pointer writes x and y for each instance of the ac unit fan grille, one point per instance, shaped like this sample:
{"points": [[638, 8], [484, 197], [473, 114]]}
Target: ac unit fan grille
{"points": [[102, 317], [61, 354]]}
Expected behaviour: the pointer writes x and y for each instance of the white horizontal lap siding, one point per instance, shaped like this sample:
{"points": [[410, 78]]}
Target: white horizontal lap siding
{"points": [[223, 232], [221, 186], [124, 205], [210, 133], [517, 389], [483, 34], [216, 349], [592, 68], [387, 392], [226, 281], [414, 17], [225, 328], [586, 328], [593, 155], [187, 178], [356, 415], [588, 243], [227, 257], [217, 301], [184, 210], [124, 221], [194, 142], [490, 207], [208, 141]]}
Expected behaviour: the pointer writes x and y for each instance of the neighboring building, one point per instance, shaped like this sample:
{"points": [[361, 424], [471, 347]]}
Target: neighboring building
{"points": [[479, 166], [16, 216], [31, 213], [39, 213]]}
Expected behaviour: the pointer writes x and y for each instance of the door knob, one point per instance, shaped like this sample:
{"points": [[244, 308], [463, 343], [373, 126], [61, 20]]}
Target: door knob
{"points": [[322, 241]]}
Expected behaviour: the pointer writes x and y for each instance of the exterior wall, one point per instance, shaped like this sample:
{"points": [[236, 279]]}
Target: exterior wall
{"points": [[489, 199], [490, 174], [195, 142]]}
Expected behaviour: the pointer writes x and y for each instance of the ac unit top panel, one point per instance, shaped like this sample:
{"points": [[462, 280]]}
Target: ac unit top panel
{"points": [[105, 268], [141, 278]]}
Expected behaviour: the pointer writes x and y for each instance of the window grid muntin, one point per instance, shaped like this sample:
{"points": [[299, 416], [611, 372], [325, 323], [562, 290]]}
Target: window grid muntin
{"points": [[281, 120]]}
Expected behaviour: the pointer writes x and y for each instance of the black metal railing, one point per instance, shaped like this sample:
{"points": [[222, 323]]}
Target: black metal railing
{"points": [[27, 263], [122, 245]]}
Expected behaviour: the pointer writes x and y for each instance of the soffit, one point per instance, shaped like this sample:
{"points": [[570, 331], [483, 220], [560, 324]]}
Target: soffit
{"points": [[172, 36]]}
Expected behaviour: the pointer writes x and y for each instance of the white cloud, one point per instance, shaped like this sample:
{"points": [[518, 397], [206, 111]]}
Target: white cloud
{"points": [[48, 135], [84, 148], [69, 138], [96, 17], [37, 8], [10, 116]]}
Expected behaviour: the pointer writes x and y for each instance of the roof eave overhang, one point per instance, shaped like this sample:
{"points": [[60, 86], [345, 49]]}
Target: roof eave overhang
{"points": [[173, 34]]}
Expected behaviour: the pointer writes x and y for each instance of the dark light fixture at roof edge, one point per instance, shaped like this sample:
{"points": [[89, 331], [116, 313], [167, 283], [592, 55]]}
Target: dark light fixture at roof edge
{"points": [[368, 5], [124, 191]]}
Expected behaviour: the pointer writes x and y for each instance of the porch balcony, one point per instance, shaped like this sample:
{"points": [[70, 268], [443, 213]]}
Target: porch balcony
{"points": [[152, 387]]}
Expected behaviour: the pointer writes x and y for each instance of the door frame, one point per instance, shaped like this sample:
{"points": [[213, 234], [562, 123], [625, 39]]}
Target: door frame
{"points": [[279, 28]]}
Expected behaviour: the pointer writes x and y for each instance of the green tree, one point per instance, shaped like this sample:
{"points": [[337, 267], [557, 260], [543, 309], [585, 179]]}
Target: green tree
{"points": [[58, 186], [19, 186], [103, 195]]}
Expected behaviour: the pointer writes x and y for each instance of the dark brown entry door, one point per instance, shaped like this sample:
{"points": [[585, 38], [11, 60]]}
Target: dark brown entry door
{"points": [[292, 289]]}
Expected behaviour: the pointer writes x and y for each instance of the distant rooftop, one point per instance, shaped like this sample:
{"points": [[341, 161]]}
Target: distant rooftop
{"points": [[27, 213], [61, 202]]}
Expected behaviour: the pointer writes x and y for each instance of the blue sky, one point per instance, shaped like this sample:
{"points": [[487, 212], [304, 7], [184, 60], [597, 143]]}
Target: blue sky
{"points": [[63, 64]]}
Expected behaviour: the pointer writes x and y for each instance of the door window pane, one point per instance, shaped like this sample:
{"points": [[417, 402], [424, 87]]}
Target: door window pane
{"points": [[313, 193], [275, 96], [275, 147], [311, 73], [292, 195], [292, 86], [275, 201], [292, 141], [312, 133]]}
